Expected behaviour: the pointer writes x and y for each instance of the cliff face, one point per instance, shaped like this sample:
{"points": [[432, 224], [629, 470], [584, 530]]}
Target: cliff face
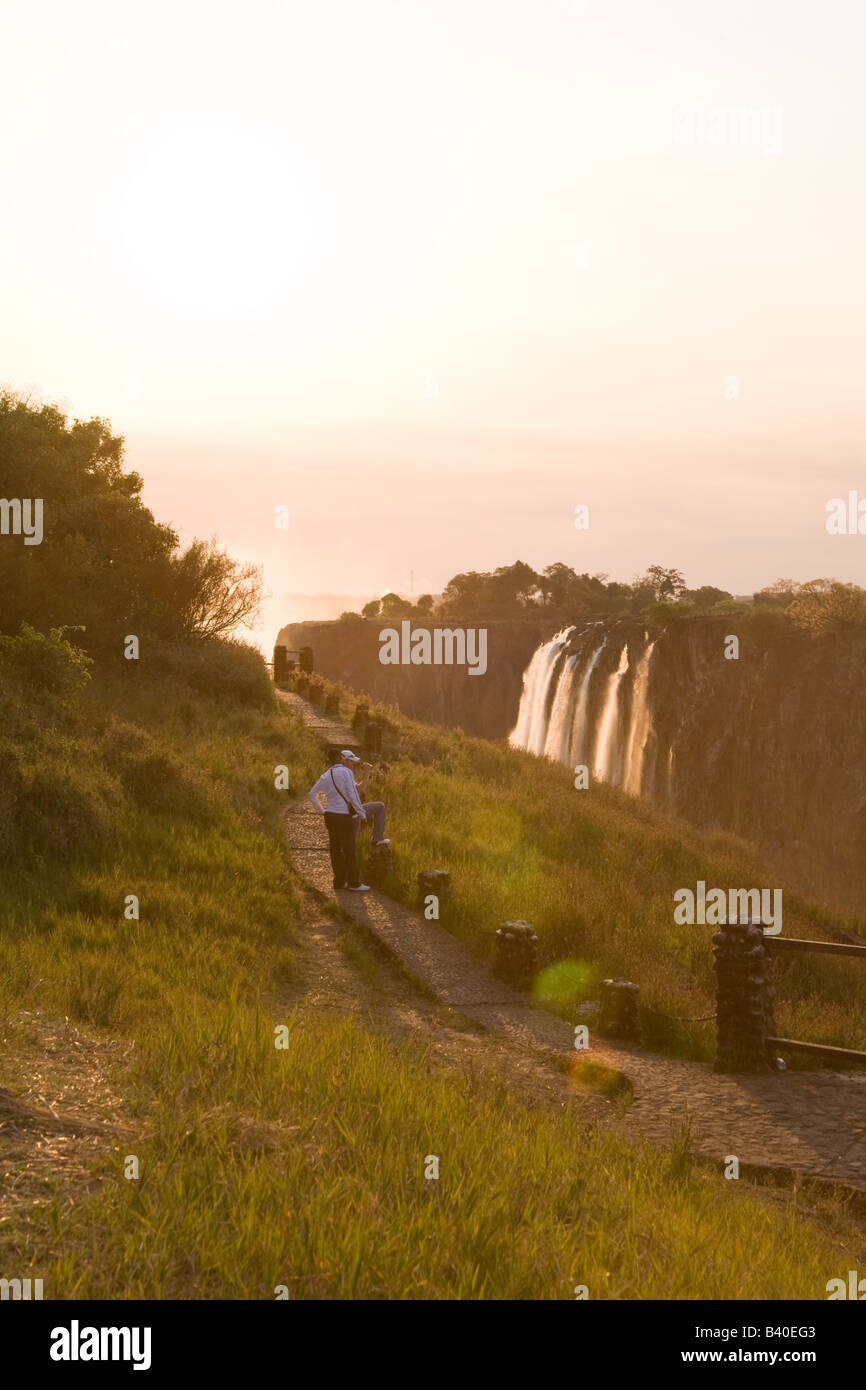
{"points": [[771, 746], [485, 705]]}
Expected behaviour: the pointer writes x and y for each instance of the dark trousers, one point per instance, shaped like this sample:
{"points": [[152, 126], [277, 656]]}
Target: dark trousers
{"points": [[344, 853]]}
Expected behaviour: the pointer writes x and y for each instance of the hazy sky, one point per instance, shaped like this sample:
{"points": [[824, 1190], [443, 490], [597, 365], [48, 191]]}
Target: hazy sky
{"points": [[432, 275]]}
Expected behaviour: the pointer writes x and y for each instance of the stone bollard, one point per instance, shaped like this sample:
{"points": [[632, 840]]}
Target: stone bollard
{"points": [[302, 686], [316, 692], [436, 881], [516, 953], [744, 998], [373, 737], [618, 1017], [332, 703], [361, 715], [380, 862]]}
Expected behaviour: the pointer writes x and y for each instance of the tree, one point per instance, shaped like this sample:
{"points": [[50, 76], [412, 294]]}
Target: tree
{"points": [[424, 604], [371, 609], [557, 583], [824, 606], [393, 607], [516, 584], [465, 594], [103, 560], [704, 597], [213, 594], [665, 583], [778, 594]]}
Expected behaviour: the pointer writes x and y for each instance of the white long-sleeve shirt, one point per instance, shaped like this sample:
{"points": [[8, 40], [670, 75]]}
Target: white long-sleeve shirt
{"points": [[334, 801]]}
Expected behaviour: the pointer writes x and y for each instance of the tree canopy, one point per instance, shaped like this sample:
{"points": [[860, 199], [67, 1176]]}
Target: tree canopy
{"points": [[104, 564]]}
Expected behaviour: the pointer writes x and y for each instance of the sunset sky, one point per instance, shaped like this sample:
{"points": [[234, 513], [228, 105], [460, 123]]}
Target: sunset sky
{"points": [[432, 275]]}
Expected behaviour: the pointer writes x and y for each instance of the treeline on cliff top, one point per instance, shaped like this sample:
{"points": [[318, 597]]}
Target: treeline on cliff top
{"points": [[104, 568], [659, 597]]}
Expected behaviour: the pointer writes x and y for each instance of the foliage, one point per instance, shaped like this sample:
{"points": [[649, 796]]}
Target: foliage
{"points": [[43, 664], [210, 593], [825, 606], [104, 565]]}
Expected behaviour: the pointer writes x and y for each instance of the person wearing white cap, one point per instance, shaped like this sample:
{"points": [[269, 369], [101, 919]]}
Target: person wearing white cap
{"points": [[342, 811]]}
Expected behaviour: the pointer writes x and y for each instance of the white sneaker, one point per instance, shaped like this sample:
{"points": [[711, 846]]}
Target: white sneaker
{"points": [[381, 842], [359, 888]]}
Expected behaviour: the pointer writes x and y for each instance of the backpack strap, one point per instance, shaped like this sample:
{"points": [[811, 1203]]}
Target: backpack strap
{"points": [[352, 811]]}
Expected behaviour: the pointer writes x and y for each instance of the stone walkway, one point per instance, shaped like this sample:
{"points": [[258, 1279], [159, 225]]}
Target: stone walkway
{"points": [[812, 1123]]}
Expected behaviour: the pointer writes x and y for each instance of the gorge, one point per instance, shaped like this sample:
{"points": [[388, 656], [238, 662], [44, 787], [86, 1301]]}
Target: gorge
{"points": [[769, 746]]}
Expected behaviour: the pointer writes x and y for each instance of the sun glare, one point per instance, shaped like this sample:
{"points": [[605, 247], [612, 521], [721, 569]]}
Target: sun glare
{"points": [[220, 223]]}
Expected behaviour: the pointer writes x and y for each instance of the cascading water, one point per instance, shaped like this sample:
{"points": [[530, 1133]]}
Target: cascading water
{"points": [[558, 740], [608, 727], [640, 726], [531, 730], [559, 694], [580, 728]]}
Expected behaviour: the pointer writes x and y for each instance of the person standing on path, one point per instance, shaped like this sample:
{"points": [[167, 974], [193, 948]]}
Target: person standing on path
{"points": [[342, 811]]}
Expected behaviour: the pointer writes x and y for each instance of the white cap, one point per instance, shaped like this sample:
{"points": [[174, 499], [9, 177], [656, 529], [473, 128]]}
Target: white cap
{"points": [[349, 756]]}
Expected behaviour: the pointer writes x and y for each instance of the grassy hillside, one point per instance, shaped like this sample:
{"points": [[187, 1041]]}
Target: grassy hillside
{"points": [[595, 872], [304, 1167]]}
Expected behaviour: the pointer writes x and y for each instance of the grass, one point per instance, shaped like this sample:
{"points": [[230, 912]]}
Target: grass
{"points": [[262, 1167], [595, 872]]}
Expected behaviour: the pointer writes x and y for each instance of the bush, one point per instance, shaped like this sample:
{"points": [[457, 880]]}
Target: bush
{"points": [[224, 670], [38, 663]]}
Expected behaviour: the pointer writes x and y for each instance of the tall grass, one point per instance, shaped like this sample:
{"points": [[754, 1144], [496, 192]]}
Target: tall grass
{"points": [[595, 872], [304, 1167]]}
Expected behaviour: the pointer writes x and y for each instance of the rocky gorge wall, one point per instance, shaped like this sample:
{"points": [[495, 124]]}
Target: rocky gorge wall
{"points": [[485, 705], [770, 746]]}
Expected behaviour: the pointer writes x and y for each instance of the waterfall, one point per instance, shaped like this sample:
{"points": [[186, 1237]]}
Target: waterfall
{"points": [[557, 744], [640, 726], [560, 691], [531, 729], [608, 727], [580, 729]]}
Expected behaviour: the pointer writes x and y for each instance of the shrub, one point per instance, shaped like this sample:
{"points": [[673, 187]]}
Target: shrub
{"points": [[37, 663], [225, 670]]}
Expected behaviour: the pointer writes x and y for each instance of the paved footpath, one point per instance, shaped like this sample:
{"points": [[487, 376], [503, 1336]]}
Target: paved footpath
{"points": [[813, 1123]]}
